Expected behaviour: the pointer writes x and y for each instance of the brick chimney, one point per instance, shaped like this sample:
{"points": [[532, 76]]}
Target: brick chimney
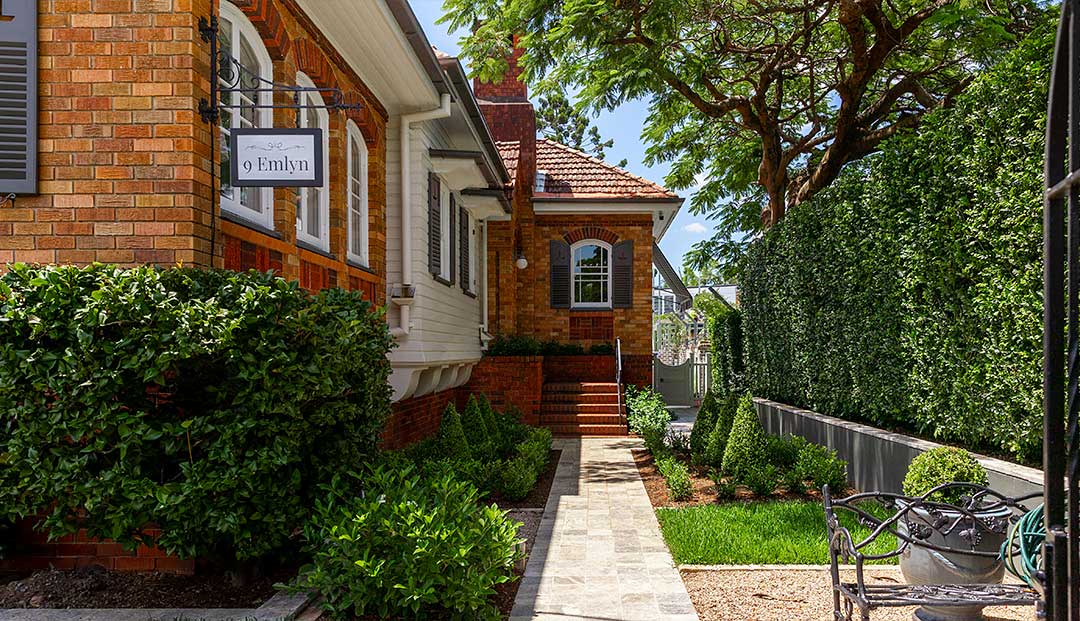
{"points": [[510, 116]]}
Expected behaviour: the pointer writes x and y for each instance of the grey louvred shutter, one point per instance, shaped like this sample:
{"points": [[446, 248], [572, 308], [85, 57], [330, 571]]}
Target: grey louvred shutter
{"points": [[452, 272], [560, 274], [463, 226], [18, 96], [434, 226], [622, 274]]}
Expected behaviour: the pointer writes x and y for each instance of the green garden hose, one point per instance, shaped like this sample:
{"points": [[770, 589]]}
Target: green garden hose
{"points": [[1025, 541]]}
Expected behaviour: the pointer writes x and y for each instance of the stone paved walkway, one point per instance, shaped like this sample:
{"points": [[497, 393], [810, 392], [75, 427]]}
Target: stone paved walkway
{"points": [[599, 555]]}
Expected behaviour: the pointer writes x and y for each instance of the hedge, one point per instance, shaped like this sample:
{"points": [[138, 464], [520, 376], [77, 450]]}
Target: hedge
{"points": [[908, 294], [209, 403]]}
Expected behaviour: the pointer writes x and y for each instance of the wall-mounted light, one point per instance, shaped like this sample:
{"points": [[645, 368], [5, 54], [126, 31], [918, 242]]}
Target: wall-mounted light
{"points": [[520, 261]]}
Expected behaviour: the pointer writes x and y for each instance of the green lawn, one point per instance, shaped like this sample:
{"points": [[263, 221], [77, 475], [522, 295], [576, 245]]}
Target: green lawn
{"points": [[751, 533]]}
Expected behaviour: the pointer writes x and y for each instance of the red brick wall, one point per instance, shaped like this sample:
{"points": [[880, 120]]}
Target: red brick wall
{"points": [[579, 368], [412, 420], [637, 369], [510, 380], [34, 552]]}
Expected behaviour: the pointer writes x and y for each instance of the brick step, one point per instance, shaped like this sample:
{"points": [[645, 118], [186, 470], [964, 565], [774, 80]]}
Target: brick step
{"points": [[580, 397], [580, 387], [579, 408], [570, 429], [580, 419]]}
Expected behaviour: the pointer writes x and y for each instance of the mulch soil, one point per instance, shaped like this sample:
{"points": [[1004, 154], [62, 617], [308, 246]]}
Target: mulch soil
{"points": [[704, 488], [95, 587]]}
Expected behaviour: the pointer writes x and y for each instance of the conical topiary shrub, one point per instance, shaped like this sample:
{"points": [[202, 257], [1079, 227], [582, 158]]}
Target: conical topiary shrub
{"points": [[452, 441], [703, 426], [476, 429], [721, 429], [490, 419], [746, 452]]}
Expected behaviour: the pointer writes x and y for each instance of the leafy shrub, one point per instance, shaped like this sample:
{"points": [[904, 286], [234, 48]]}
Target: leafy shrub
{"points": [[944, 464], [211, 403], [677, 442], [648, 416], [452, 441], [408, 547], [724, 328], [602, 349], [784, 450], [725, 489], [746, 452], [677, 477], [822, 466], [761, 482], [792, 481], [555, 348], [537, 448], [909, 292], [513, 346], [517, 477], [703, 426]]}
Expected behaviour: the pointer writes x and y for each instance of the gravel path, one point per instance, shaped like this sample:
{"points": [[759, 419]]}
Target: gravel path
{"points": [[792, 595]]}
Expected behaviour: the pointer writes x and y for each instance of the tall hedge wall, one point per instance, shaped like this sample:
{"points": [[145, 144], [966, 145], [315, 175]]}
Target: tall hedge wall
{"points": [[909, 293]]}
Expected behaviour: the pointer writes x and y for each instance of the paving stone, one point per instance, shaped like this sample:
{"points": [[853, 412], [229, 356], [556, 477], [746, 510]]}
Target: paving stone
{"points": [[599, 553]]}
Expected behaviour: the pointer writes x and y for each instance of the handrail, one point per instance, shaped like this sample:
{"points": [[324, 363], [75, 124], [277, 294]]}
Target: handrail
{"points": [[618, 377]]}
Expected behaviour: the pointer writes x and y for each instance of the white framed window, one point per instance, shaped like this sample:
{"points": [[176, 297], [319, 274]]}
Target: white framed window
{"points": [[590, 274], [313, 204], [357, 193], [238, 38]]}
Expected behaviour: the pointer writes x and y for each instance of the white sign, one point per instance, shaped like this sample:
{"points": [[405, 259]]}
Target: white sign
{"points": [[276, 157]]}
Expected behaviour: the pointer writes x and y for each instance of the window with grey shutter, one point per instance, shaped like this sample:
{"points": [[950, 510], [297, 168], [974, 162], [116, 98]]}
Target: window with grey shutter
{"points": [[18, 96], [434, 226], [622, 274], [560, 274], [451, 273], [466, 242]]}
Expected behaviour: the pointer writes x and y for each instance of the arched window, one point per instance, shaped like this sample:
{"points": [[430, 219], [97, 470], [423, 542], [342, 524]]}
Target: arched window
{"points": [[591, 274], [238, 38], [357, 195], [313, 206]]}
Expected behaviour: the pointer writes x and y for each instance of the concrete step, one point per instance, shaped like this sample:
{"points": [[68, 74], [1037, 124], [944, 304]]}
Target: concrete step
{"points": [[581, 387], [579, 408], [580, 419], [573, 429], [580, 397]]}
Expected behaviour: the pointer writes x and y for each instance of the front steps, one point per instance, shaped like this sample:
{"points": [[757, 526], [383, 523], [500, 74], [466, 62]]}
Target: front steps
{"points": [[582, 409]]}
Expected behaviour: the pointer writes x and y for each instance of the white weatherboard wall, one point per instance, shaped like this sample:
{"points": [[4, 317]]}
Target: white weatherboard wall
{"points": [[878, 460], [443, 343]]}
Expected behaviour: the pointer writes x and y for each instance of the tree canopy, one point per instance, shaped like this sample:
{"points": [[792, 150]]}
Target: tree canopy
{"points": [[760, 103], [557, 119]]}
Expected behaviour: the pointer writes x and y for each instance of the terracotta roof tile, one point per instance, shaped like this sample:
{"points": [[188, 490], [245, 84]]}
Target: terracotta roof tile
{"points": [[573, 174]]}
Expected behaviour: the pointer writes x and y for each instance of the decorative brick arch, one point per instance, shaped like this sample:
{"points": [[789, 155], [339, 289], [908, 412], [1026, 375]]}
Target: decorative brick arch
{"points": [[266, 18], [363, 117], [311, 60], [591, 232]]}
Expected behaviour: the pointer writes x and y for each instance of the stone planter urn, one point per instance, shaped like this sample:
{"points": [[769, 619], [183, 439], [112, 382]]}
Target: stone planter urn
{"points": [[921, 565]]}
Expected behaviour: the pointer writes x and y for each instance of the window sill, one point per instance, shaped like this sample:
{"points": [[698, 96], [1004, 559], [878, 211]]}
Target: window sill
{"points": [[248, 224], [303, 245], [353, 263], [591, 309], [441, 280], [469, 293]]}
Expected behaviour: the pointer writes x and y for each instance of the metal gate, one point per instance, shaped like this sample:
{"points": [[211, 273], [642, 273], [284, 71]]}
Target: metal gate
{"points": [[674, 382], [1060, 578]]}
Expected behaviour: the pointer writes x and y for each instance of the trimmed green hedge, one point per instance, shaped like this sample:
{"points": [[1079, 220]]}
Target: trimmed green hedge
{"points": [[210, 403], [909, 293]]}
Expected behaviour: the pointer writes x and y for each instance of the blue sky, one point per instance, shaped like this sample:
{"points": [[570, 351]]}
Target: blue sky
{"points": [[623, 125]]}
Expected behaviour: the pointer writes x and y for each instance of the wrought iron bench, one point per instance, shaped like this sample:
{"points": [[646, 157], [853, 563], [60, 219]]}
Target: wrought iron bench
{"points": [[926, 530]]}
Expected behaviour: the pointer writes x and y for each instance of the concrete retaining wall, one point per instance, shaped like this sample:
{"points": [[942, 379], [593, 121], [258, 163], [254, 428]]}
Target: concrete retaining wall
{"points": [[877, 459]]}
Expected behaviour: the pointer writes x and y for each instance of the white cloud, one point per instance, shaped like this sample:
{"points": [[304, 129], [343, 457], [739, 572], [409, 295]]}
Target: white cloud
{"points": [[696, 228]]}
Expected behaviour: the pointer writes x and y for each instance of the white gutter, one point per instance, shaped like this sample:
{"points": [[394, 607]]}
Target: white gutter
{"points": [[405, 302]]}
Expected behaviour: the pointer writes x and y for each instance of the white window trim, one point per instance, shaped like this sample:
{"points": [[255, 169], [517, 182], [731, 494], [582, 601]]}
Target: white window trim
{"points": [[242, 26], [323, 240], [354, 133], [573, 284], [445, 247], [474, 252]]}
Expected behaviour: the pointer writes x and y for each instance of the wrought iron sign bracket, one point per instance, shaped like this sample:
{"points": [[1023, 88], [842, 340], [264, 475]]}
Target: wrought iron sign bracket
{"points": [[228, 76]]}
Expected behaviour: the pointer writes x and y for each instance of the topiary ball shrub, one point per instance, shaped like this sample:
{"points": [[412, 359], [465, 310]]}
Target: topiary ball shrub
{"points": [[517, 477], [746, 453], [945, 464], [208, 402], [821, 466], [452, 441], [703, 426], [408, 547]]}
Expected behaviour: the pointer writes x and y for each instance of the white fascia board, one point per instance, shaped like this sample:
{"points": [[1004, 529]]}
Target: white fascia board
{"points": [[663, 212]]}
